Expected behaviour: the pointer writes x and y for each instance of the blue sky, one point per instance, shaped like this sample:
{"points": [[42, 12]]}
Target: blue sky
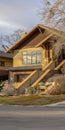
{"points": [[15, 14]]}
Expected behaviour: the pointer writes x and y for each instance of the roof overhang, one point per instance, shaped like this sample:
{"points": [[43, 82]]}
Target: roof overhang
{"points": [[18, 43], [38, 27], [24, 68]]}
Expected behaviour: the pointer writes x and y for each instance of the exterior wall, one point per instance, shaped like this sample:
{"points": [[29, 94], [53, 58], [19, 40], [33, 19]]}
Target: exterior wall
{"points": [[17, 59], [7, 62]]}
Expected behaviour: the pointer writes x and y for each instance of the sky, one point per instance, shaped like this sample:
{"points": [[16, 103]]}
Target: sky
{"points": [[19, 14]]}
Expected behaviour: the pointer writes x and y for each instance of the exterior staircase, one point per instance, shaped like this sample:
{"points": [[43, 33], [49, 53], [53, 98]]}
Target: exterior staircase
{"points": [[34, 76], [40, 78], [37, 75], [47, 72]]}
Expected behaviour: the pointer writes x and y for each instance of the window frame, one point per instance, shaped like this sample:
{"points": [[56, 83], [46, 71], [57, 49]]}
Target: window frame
{"points": [[33, 54], [2, 63]]}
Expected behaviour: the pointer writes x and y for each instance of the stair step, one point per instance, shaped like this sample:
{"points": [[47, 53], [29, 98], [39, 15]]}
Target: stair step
{"points": [[27, 78], [40, 78], [43, 71]]}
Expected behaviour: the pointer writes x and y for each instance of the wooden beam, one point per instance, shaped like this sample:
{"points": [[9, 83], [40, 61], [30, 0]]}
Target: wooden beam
{"points": [[28, 72], [60, 65], [44, 40]]}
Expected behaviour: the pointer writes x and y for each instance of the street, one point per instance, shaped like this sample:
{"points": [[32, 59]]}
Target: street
{"points": [[32, 118]]}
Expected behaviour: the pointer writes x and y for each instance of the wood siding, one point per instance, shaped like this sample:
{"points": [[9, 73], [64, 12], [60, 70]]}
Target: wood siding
{"points": [[7, 63], [34, 39], [17, 59]]}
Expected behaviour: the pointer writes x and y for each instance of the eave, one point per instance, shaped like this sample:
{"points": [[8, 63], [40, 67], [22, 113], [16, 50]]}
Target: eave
{"points": [[39, 26]]}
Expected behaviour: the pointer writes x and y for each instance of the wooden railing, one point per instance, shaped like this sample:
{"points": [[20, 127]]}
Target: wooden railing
{"points": [[33, 77], [36, 76], [60, 65], [45, 71]]}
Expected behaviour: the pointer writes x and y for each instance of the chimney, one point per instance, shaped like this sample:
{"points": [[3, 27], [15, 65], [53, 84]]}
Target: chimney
{"points": [[24, 34]]}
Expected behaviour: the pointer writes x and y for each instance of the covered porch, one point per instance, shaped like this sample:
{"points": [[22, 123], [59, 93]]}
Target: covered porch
{"points": [[4, 75]]}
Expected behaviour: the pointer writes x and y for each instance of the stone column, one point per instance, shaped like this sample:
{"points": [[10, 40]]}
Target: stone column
{"points": [[11, 78]]}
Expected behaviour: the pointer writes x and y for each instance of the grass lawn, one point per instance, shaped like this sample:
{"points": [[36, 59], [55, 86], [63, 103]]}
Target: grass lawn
{"points": [[31, 100]]}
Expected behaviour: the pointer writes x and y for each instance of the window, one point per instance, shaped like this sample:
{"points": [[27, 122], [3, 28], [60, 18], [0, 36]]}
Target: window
{"points": [[2, 63], [29, 57], [39, 55], [32, 57]]}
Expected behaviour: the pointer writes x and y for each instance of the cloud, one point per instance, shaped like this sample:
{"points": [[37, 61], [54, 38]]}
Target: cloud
{"points": [[19, 14], [4, 23], [10, 25], [8, 28]]}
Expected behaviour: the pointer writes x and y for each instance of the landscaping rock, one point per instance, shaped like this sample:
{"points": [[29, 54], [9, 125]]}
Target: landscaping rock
{"points": [[55, 85]]}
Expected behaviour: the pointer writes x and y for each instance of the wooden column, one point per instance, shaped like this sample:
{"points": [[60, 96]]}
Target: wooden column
{"points": [[11, 78]]}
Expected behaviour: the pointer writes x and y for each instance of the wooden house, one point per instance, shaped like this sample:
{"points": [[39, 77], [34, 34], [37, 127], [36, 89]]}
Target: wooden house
{"points": [[33, 57], [6, 61]]}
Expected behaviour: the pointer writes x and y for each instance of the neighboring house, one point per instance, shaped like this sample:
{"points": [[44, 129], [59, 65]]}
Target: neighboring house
{"points": [[33, 57], [6, 61]]}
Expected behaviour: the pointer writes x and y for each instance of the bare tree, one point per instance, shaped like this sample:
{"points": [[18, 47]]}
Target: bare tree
{"points": [[7, 41], [58, 50], [53, 14], [16, 35]]}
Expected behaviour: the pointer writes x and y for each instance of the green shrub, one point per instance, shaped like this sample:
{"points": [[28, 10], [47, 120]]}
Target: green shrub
{"points": [[31, 90]]}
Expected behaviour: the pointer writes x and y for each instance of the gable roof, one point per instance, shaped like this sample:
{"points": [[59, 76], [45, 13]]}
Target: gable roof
{"points": [[39, 26], [6, 55]]}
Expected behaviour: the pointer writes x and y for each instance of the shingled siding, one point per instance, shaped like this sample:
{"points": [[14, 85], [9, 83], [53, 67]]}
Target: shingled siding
{"points": [[34, 39]]}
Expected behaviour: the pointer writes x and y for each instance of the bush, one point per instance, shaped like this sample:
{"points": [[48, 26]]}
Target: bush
{"points": [[31, 90], [10, 91], [58, 87]]}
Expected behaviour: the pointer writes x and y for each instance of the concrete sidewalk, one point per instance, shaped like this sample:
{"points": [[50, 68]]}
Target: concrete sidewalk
{"points": [[57, 104]]}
